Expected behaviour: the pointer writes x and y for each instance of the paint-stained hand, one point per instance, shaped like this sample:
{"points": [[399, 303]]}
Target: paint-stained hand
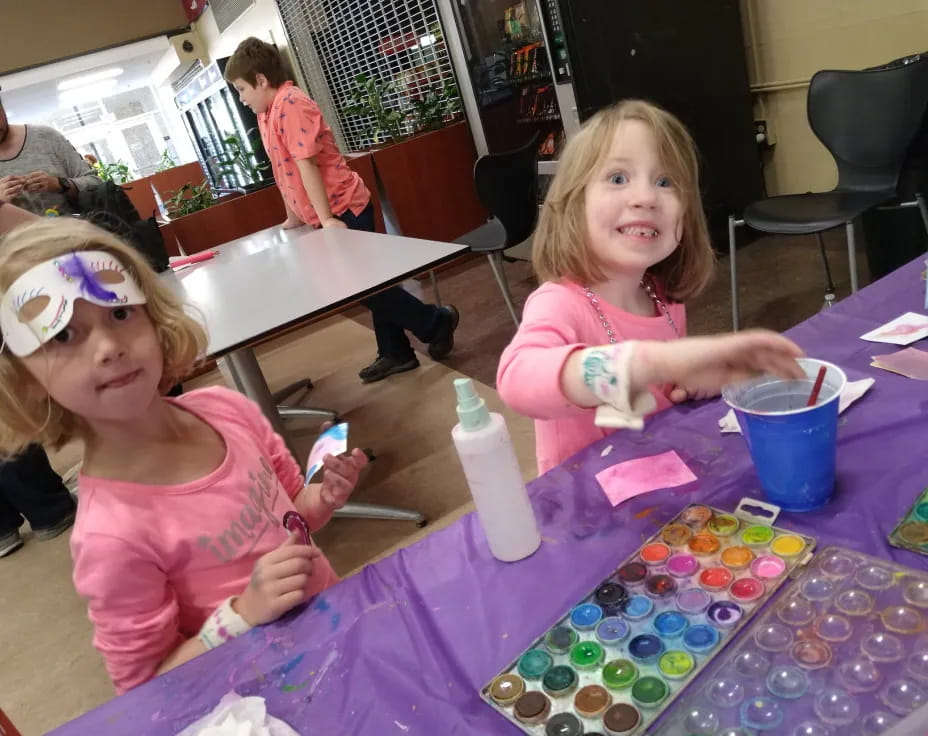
{"points": [[278, 582], [341, 477]]}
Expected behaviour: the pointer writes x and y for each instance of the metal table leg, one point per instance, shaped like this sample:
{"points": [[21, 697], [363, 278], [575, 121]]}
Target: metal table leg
{"points": [[242, 366]]}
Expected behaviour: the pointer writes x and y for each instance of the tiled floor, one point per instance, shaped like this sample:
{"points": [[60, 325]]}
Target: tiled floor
{"points": [[49, 671]]}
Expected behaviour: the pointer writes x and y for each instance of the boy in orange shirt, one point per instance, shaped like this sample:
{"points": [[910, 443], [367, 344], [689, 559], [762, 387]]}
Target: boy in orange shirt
{"points": [[319, 189]]}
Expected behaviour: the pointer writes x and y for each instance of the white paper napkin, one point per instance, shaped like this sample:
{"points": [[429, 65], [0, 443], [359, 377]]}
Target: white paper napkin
{"points": [[238, 716], [853, 390], [904, 330]]}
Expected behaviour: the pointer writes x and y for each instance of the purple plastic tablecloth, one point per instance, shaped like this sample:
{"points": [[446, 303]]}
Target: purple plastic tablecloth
{"points": [[404, 646]]}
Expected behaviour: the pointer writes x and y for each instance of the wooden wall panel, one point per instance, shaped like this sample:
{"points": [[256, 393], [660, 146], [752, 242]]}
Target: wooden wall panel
{"points": [[239, 216], [429, 181], [143, 199], [171, 180]]}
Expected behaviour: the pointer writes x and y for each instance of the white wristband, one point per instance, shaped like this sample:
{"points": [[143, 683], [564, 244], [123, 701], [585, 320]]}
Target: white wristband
{"points": [[222, 625], [606, 372]]}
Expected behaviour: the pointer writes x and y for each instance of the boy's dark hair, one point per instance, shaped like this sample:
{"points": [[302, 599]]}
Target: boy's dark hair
{"points": [[252, 57]]}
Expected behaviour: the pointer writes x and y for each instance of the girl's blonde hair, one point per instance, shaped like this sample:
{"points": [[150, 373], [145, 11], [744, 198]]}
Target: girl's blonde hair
{"points": [[561, 246], [27, 413]]}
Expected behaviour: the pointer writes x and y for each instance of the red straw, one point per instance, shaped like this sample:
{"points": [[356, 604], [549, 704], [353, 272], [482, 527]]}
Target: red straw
{"points": [[817, 388]]}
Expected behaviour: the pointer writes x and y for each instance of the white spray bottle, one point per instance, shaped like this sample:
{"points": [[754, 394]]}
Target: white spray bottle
{"points": [[492, 471]]}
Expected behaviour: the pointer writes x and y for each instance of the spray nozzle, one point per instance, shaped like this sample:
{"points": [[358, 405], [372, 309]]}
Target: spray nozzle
{"points": [[467, 394], [472, 410]]}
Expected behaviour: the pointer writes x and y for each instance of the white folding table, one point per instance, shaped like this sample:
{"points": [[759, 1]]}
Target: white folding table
{"points": [[274, 279]]}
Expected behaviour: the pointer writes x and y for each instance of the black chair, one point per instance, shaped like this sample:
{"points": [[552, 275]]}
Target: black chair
{"points": [[913, 178], [507, 185], [867, 121]]}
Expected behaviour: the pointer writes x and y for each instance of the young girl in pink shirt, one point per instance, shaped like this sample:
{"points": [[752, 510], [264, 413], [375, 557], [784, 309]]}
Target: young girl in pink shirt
{"points": [[179, 542], [621, 242]]}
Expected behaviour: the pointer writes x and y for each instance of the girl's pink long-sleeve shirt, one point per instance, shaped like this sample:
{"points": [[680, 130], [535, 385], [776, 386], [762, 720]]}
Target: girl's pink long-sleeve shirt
{"points": [[154, 561], [558, 319]]}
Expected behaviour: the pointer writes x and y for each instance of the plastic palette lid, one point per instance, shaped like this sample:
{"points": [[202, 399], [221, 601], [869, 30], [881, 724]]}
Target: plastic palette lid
{"points": [[842, 648]]}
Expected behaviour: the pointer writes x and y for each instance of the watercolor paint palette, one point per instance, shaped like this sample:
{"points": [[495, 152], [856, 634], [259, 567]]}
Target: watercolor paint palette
{"points": [[842, 650], [615, 661], [912, 531]]}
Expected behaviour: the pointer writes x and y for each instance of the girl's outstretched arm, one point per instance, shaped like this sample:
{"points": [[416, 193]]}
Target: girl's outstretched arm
{"points": [[615, 375]]}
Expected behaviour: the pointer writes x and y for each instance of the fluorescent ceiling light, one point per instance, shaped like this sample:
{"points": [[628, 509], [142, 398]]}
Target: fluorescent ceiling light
{"points": [[427, 40], [88, 79], [88, 92]]}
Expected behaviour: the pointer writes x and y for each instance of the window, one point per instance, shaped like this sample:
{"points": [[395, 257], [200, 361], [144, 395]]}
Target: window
{"points": [[397, 43], [126, 127]]}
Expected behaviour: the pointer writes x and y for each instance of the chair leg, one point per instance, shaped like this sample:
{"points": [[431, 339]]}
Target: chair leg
{"points": [[852, 254], [302, 385], [923, 208], [300, 412], [830, 288], [733, 263], [496, 263], [355, 510], [435, 294]]}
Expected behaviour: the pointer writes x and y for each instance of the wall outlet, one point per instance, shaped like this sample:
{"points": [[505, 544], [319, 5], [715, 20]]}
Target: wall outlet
{"points": [[763, 134]]}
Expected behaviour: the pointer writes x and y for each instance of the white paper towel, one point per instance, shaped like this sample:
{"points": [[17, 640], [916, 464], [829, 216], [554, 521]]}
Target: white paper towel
{"points": [[238, 716]]}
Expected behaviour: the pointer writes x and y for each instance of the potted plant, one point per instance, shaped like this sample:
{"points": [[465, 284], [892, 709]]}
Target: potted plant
{"points": [[200, 221], [434, 109], [118, 172], [369, 99], [188, 199], [425, 157], [166, 162], [240, 165]]}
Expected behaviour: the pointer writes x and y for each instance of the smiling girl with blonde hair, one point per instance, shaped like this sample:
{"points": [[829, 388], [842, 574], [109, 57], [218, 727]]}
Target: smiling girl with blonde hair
{"points": [[621, 241]]}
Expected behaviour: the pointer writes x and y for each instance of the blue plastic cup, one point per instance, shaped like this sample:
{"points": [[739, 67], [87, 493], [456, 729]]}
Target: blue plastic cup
{"points": [[793, 445]]}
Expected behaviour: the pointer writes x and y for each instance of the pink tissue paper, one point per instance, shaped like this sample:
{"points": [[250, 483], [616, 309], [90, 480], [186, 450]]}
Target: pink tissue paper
{"points": [[641, 475]]}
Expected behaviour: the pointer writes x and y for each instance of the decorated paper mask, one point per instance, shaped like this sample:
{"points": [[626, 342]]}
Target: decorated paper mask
{"points": [[40, 303]]}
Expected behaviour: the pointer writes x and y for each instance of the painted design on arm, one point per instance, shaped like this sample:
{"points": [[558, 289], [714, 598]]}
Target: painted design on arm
{"points": [[599, 372]]}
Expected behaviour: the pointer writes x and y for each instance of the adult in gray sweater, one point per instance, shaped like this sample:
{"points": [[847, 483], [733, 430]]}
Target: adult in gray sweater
{"points": [[39, 169]]}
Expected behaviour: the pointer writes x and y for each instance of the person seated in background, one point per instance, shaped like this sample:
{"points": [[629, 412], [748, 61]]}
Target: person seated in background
{"points": [[29, 488], [40, 170]]}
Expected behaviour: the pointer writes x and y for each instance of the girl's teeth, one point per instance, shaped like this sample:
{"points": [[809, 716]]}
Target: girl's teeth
{"points": [[639, 231]]}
